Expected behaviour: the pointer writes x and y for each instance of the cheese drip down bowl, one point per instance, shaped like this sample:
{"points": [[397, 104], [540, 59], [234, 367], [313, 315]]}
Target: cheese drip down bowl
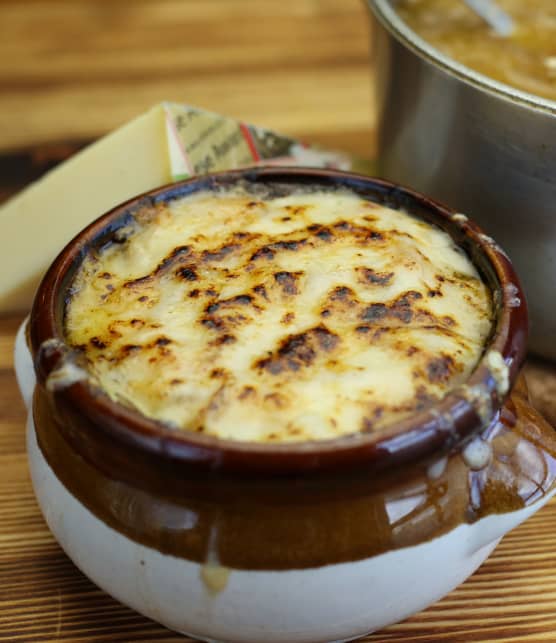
{"points": [[299, 534]]}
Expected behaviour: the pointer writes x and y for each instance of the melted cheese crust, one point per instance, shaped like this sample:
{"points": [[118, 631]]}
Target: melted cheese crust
{"points": [[279, 318]]}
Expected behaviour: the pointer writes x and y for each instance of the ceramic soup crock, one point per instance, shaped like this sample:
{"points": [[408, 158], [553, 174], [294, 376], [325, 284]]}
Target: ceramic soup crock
{"points": [[299, 542]]}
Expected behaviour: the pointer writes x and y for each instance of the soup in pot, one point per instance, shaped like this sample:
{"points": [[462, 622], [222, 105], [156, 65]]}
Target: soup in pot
{"points": [[525, 60]]}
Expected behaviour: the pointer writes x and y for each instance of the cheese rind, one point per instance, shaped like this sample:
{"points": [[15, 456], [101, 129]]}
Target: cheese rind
{"points": [[253, 316]]}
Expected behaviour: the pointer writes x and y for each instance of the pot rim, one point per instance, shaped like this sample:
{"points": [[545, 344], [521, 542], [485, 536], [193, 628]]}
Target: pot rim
{"points": [[391, 21], [458, 416]]}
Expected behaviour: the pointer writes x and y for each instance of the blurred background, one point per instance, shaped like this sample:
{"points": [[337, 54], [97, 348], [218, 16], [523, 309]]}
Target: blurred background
{"points": [[72, 70]]}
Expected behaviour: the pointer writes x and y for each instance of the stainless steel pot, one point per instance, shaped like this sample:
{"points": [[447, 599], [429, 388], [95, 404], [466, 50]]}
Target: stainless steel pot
{"points": [[480, 146]]}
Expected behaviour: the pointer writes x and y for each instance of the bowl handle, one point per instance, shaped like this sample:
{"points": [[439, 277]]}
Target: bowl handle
{"points": [[495, 526], [23, 364]]}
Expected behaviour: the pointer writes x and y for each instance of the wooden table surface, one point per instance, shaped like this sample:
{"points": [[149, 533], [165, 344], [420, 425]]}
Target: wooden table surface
{"points": [[72, 70]]}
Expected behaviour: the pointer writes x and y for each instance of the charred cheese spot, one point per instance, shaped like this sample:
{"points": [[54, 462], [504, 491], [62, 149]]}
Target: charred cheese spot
{"points": [[188, 273], [291, 316], [321, 232], [287, 281], [372, 277], [218, 254], [300, 350], [439, 369], [97, 343]]}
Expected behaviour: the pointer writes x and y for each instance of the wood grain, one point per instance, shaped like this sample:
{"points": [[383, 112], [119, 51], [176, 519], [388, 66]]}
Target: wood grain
{"points": [[76, 69], [71, 70]]}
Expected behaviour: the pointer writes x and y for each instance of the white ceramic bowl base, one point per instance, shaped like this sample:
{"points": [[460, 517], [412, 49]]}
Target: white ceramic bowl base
{"points": [[331, 603]]}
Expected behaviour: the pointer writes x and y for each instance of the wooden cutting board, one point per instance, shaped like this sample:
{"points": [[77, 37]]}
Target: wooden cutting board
{"points": [[70, 71]]}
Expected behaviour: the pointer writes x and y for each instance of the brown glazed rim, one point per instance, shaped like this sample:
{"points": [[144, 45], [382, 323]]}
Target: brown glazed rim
{"points": [[438, 429]]}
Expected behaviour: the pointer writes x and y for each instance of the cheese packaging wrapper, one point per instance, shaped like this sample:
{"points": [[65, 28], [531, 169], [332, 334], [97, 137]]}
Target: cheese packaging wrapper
{"points": [[168, 143]]}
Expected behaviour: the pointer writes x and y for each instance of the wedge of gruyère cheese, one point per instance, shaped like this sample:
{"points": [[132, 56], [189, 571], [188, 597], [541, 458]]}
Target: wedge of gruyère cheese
{"points": [[168, 142], [38, 222]]}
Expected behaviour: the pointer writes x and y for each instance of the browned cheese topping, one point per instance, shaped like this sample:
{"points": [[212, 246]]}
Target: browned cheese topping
{"points": [[266, 318]]}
